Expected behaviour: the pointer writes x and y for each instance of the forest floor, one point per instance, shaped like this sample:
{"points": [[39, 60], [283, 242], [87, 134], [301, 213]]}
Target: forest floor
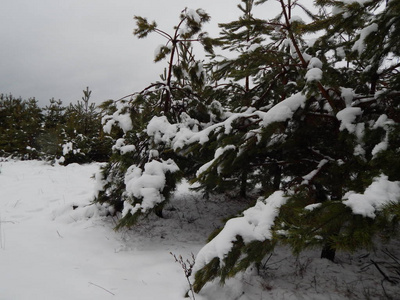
{"points": [[55, 245]]}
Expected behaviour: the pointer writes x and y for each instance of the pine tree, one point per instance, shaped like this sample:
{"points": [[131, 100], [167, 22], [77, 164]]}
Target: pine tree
{"points": [[142, 171], [333, 147], [20, 125], [51, 139], [263, 74], [83, 140]]}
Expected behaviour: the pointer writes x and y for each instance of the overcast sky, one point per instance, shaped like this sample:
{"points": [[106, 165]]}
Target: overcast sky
{"points": [[55, 48]]}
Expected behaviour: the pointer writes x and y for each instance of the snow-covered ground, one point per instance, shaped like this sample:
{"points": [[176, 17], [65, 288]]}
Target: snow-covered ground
{"points": [[55, 245]]}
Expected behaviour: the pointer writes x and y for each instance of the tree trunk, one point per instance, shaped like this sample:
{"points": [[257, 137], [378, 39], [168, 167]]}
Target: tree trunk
{"points": [[328, 251]]}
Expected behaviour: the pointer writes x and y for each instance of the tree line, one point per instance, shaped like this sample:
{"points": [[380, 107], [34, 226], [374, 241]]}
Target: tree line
{"points": [[67, 134]]}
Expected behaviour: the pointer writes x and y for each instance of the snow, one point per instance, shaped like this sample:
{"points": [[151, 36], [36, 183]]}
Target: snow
{"points": [[382, 122], [120, 118], [177, 136], [296, 18], [359, 45], [348, 95], [255, 224], [380, 193], [314, 74], [312, 174], [219, 152], [55, 245], [382, 146], [314, 63], [51, 251], [192, 14], [67, 147], [157, 50], [161, 130], [284, 110], [347, 116], [147, 184]]}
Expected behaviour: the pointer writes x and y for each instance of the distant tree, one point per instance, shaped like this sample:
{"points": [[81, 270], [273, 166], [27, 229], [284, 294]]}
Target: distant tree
{"points": [[51, 138], [83, 138], [20, 125]]}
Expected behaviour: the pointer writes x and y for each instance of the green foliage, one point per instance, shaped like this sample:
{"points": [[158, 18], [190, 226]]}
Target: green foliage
{"points": [[84, 140], [20, 124], [71, 134]]}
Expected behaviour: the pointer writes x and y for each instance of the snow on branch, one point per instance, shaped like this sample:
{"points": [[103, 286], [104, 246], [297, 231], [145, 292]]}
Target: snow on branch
{"points": [[254, 225], [307, 178], [359, 45], [147, 184], [121, 118], [347, 116], [180, 135], [218, 153], [380, 193]]}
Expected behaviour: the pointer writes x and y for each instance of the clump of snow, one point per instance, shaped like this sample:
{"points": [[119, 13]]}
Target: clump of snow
{"points": [[382, 122], [69, 147], [381, 192], [313, 206], [158, 50], [192, 14], [348, 95], [382, 146], [347, 116], [147, 184], [254, 225], [359, 151], [284, 109], [314, 74], [359, 45], [121, 118], [127, 148], [296, 18], [120, 146], [314, 63], [161, 130]]}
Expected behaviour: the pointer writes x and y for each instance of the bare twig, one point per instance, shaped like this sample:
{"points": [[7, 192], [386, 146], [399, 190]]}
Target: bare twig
{"points": [[385, 277], [187, 267], [102, 288]]}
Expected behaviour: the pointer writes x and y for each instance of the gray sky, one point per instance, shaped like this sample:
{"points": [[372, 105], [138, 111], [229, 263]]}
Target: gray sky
{"points": [[55, 48]]}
